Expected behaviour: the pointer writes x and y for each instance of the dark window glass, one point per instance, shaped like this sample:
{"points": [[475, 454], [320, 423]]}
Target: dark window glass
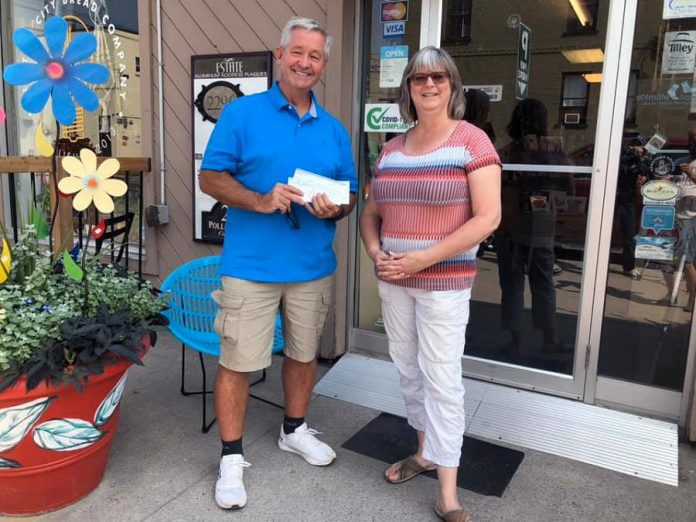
{"points": [[573, 108], [458, 20], [630, 118], [583, 17]]}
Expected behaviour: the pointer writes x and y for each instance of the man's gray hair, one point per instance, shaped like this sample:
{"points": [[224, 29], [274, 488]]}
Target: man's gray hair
{"points": [[431, 59], [310, 25]]}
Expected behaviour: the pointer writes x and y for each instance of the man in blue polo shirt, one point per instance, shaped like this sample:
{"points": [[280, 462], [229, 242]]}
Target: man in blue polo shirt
{"points": [[277, 250]]}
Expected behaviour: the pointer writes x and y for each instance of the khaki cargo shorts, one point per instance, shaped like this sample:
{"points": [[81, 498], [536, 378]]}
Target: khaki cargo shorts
{"points": [[246, 320]]}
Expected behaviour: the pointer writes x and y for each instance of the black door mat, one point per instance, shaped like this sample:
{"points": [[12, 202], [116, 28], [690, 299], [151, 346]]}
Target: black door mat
{"points": [[484, 467]]}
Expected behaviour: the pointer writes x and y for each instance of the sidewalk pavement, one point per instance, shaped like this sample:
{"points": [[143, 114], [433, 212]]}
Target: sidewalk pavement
{"points": [[163, 468]]}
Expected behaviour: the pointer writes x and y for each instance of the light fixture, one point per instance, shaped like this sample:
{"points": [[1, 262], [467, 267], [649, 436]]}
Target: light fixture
{"points": [[581, 12], [584, 55], [593, 77]]}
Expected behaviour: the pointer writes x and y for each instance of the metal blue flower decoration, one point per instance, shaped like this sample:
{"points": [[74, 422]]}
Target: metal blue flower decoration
{"points": [[56, 73]]}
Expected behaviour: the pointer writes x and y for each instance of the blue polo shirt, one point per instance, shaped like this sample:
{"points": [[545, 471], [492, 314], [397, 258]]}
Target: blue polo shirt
{"points": [[260, 140]]}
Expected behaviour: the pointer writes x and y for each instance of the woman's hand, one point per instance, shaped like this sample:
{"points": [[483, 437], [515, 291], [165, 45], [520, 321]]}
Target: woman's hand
{"points": [[383, 266], [403, 265]]}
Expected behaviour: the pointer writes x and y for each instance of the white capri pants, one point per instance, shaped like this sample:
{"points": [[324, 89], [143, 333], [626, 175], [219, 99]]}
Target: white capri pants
{"points": [[426, 331]]}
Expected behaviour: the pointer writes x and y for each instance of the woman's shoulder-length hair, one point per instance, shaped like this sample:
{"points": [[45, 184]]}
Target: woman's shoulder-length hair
{"points": [[431, 59]]}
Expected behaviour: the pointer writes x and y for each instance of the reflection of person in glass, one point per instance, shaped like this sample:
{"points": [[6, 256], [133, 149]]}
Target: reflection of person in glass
{"points": [[631, 176], [686, 217], [476, 109], [525, 239], [435, 196]]}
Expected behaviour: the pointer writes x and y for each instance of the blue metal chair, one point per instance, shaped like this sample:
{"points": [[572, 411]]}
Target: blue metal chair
{"points": [[191, 317]]}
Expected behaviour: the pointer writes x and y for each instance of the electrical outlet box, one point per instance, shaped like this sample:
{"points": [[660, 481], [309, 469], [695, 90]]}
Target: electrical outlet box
{"points": [[157, 215]]}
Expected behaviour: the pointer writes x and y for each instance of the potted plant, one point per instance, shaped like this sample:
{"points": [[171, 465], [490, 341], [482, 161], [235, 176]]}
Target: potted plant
{"points": [[70, 326]]}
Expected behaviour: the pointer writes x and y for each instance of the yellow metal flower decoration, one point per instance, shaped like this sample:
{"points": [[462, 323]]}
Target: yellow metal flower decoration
{"points": [[5, 261], [92, 184]]}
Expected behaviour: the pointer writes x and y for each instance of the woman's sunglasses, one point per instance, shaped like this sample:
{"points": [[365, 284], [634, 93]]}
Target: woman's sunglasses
{"points": [[421, 79]]}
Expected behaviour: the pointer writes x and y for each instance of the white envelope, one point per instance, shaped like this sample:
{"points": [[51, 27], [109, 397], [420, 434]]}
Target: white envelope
{"points": [[311, 184]]}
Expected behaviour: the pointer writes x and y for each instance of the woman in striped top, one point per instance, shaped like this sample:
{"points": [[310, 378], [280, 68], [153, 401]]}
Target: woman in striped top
{"points": [[435, 196]]}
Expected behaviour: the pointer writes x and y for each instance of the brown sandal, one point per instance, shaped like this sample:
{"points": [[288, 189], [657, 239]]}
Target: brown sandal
{"points": [[409, 468], [456, 515]]}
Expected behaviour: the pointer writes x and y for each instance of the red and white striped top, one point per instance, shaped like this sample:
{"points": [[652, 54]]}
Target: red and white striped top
{"points": [[423, 198]]}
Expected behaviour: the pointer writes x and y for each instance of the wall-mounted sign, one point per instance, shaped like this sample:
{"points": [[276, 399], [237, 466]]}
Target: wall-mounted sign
{"points": [[384, 117], [217, 80], [655, 248], [659, 192], [524, 47], [392, 62], [678, 9], [494, 92], [657, 218], [394, 12], [679, 52]]}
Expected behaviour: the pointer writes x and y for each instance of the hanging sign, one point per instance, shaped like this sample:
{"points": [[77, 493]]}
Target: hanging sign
{"points": [[655, 143], [524, 46], [679, 52], [678, 9], [217, 80], [392, 62], [657, 218]]}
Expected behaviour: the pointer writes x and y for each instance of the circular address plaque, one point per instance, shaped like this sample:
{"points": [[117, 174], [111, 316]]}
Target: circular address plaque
{"points": [[213, 98]]}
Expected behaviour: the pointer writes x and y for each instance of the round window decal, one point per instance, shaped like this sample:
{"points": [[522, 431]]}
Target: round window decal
{"points": [[214, 97], [662, 166]]}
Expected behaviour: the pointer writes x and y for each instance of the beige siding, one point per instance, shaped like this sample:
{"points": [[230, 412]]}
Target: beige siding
{"points": [[224, 26]]}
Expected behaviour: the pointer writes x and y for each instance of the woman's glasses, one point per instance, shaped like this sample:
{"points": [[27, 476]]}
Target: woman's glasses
{"points": [[420, 79]]}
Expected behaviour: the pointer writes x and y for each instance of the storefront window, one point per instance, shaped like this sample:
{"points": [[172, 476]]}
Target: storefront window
{"points": [[114, 129], [458, 21], [576, 90]]}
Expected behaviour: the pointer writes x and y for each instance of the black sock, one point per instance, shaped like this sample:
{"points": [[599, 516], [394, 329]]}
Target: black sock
{"points": [[232, 447], [290, 424]]}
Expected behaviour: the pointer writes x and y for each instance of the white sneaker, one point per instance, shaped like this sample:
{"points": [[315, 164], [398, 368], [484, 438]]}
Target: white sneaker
{"points": [[304, 443], [633, 274], [229, 488]]}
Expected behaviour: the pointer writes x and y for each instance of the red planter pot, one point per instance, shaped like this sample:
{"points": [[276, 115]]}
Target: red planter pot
{"points": [[54, 442]]}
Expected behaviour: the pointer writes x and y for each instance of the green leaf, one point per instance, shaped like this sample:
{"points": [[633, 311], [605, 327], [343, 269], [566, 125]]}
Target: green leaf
{"points": [[72, 268], [40, 224]]}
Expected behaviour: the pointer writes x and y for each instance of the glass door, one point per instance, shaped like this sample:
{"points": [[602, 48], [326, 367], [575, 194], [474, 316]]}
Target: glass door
{"points": [[534, 72], [533, 75], [649, 246]]}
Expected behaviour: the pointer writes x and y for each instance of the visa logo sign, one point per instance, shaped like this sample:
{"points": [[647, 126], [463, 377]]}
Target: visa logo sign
{"points": [[394, 29]]}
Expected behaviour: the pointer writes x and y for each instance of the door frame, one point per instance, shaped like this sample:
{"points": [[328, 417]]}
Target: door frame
{"points": [[582, 384], [599, 389]]}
